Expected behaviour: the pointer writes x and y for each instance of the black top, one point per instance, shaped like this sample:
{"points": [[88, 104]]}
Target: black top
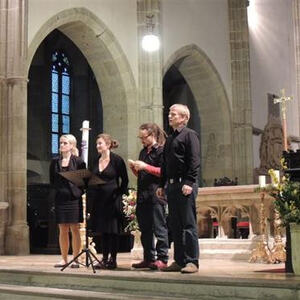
{"points": [[181, 157], [105, 200], [121, 177], [58, 181], [148, 183]]}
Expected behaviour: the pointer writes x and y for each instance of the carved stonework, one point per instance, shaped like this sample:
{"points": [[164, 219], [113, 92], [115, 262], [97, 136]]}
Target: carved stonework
{"points": [[211, 152], [271, 146]]}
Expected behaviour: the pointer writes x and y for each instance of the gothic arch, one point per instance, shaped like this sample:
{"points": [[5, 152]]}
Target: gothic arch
{"points": [[214, 109], [109, 64]]}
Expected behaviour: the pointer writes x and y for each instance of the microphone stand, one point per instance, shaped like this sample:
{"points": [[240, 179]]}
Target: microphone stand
{"points": [[83, 178]]}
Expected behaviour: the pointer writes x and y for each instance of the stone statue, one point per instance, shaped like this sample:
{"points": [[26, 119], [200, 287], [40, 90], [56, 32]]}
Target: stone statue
{"points": [[271, 146]]}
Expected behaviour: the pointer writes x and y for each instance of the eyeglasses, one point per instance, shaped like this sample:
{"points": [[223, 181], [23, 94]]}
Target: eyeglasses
{"points": [[143, 137]]}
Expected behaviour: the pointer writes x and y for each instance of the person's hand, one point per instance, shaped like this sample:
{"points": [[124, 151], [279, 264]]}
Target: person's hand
{"points": [[140, 165], [186, 190], [160, 193], [131, 163]]}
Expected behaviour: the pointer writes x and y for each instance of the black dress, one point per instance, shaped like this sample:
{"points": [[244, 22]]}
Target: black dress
{"points": [[68, 201], [105, 199]]}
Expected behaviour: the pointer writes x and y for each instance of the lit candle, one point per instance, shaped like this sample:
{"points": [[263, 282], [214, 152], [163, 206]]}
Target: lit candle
{"points": [[262, 181]]}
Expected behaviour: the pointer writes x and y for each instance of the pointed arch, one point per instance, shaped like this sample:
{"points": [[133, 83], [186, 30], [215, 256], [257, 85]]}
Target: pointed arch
{"points": [[214, 108], [110, 67]]}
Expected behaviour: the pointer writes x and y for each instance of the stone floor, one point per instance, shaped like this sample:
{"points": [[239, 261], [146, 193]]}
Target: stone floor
{"points": [[208, 268], [33, 277]]}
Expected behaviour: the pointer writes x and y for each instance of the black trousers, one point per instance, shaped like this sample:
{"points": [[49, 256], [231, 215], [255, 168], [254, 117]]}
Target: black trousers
{"points": [[152, 222], [183, 223]]}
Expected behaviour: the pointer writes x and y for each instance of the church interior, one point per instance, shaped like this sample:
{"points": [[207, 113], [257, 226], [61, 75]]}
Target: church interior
{"points": [[64, 62]]}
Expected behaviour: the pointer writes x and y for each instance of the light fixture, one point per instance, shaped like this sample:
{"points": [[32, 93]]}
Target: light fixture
{"points": [[150, 41]]}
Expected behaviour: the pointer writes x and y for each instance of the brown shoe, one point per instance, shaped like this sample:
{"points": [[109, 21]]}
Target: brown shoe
{"points": [[173, 267], [189, 268]]}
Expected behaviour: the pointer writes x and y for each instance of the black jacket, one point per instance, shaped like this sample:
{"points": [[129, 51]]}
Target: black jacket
{"points": [[57, 181]]}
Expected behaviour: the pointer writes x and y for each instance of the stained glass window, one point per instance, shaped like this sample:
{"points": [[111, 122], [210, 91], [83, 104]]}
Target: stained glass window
{"points": [[66, 124], [55, 127], [54, 103], [65, 105], [65, 84], [54, 143], [60, 98]]}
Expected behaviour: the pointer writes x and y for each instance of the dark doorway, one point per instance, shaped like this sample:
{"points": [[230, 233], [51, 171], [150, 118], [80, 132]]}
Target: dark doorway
{"points": [[85, 104], [176, 90]]}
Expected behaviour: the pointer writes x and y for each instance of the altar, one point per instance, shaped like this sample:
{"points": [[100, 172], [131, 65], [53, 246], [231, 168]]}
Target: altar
{"points": [[235, 212]]}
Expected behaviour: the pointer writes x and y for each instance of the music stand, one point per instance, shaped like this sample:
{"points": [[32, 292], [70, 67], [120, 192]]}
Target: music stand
{"points": [[83, 178]]}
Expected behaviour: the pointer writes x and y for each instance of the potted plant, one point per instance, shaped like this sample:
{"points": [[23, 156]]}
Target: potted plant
{"points": [[287, 202]]}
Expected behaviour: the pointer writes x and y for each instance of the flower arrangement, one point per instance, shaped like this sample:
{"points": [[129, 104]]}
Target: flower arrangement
{"points": [[129, 210], [287, 197]]}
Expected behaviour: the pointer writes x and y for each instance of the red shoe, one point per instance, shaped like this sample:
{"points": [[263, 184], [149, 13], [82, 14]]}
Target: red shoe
{"points": [[142, 265], [158, 265]]}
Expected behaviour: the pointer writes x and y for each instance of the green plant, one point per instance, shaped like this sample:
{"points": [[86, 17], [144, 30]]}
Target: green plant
{"points": [[287, 198]]}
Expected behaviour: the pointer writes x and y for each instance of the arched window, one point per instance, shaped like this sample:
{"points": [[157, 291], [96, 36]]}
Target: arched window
{"points": [[60, 98]]}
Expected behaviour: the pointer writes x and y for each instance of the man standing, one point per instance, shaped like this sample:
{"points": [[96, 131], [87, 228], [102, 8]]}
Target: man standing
{"points": [[150, 210], [181, 162]]}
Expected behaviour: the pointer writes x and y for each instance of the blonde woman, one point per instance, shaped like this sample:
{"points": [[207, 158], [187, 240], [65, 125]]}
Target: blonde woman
{"points": [[68, 202]]}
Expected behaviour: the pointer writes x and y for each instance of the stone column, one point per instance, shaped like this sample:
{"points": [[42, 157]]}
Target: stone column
{"points": [[296, 23], [241, 99], [150, 66], [13, 139]]}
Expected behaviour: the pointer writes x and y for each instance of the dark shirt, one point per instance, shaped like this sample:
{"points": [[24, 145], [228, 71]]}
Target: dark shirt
{"points": [[181, 157], [148, 183], [57, 181], [121, 176]]}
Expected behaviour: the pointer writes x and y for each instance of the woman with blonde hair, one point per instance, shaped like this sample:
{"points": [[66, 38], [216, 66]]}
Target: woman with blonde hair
{"points": [[107, 198], [68, 202]]}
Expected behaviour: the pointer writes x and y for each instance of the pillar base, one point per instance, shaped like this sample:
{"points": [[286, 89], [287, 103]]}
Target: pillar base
{"points": [[17, 240]]}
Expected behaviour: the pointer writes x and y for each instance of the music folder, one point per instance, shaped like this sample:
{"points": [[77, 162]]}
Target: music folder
{"points": [[82, 177]]}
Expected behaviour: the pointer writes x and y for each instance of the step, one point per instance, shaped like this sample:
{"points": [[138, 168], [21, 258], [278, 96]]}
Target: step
{"points": [[227, 244], [17, 292], [225, 254], [142, 285]]}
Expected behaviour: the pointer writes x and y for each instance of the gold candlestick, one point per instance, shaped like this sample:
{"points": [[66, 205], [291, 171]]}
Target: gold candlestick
{"points": [[262, 252], [278, 251]]}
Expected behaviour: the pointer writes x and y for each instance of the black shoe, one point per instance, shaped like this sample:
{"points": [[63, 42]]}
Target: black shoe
{"points": [[61, 264], [75, 265], [111, 264], [101, 265]]}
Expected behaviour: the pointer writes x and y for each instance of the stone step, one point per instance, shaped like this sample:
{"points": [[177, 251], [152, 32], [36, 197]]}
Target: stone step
{"points": [[227, 254], [17, 292], [227, 244], [235, 249], [36, 285]]}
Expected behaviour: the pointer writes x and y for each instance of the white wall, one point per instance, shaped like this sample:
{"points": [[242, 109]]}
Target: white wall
{"points": [[272, 61], [200, 22], [118, 15]]}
